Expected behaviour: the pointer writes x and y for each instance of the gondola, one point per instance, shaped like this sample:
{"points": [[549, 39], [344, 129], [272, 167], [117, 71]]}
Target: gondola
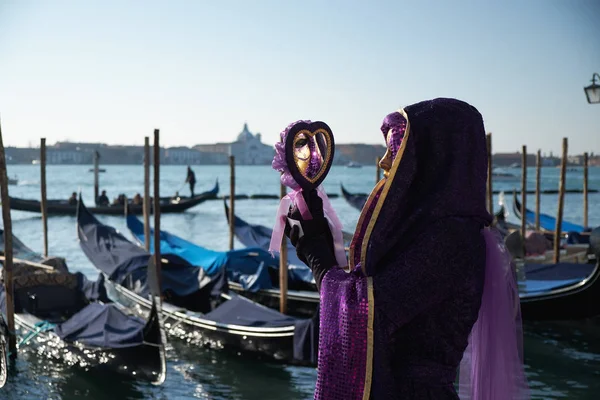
{"points": [[62, 207], [66, 317], [561, 291], [197, 308], [575, 233], [252, 271], [357, 200]]}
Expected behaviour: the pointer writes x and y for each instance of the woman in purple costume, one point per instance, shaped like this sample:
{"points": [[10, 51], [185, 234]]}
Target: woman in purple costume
{"points": [[429, 287]]}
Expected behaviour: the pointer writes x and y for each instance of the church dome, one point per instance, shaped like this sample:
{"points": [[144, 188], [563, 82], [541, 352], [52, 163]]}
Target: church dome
{"points": [[245, 134]]}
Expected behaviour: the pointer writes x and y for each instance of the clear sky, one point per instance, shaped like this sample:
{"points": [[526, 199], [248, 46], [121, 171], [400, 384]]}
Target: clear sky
{"points": [[113, 70]]}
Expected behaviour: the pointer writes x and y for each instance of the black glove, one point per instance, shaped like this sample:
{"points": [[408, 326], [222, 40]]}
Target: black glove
{"points": [[315, 247]]}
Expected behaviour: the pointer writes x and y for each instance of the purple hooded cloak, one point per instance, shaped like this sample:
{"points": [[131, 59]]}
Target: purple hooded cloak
{"points": [[417, 296]]}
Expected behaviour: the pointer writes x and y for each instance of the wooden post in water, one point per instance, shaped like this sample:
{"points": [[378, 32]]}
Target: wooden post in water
{"points": [[585, 190], [8, 253], [96, 173], [283, 266], [538, 178], [231, 200], [44, 204], [523, 193], [157, 258], [561, 201], [490, 190], [146, 201], [378, 170]]}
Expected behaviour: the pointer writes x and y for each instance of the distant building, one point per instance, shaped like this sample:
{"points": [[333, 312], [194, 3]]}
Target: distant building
{"points": [[512, 159], [248, 149], [68, 157], [183, 155]]}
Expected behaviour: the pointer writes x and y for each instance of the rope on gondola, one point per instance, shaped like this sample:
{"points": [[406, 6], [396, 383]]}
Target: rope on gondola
{"points": [[42, 326]]}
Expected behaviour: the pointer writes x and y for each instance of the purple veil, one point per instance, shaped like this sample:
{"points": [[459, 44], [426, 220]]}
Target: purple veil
{"points": [[439, 172], [492, 364]]}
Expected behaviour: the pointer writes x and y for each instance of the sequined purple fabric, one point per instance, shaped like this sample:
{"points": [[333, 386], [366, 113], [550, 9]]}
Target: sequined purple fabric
{"points": [[315, 160], [394, 124], [343, 336]]}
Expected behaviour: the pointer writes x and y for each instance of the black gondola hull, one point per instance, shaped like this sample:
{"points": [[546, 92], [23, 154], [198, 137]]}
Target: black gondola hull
{"points": [[59, 207], [275, 346]]}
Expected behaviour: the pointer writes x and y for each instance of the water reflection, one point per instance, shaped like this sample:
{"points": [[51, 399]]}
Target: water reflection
{"points": [[221, 375], [34, 376], [556, 350]]}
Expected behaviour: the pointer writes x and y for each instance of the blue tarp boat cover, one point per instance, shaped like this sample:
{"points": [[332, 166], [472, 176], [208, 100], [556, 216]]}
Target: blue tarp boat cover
{"points": [[104, 326], [260, 236], [248, 267], [549, 223]]}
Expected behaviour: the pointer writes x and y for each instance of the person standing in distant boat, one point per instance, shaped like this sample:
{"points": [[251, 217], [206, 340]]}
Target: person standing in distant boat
{"points": [[191, 179]]}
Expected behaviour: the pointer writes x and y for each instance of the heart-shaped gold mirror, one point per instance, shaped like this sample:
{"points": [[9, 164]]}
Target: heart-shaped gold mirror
{"points": [[309, 153]]}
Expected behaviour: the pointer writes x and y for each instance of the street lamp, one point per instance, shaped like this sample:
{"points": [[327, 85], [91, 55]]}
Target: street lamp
{"points": [[593, 91]]}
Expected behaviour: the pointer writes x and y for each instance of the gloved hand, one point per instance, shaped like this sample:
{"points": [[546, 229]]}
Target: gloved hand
{"points": [[315, 247]]}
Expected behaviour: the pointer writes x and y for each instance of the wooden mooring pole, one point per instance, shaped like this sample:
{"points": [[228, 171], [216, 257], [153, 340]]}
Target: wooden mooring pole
{"points": [[538, 179], [378, 170], [43, 203], [561, 200], [585, 190], [523, 194], [8, 253], [157, 258], [96, 178], [283, 266], [146, 200], [490, 190], [231, 200]]}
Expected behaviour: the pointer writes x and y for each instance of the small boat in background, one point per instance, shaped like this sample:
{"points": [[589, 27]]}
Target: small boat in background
{"points": [[577, 233], [167, 205], [357, 200], [503, 176], [353, 164], [13, 181], [99, 170]]}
